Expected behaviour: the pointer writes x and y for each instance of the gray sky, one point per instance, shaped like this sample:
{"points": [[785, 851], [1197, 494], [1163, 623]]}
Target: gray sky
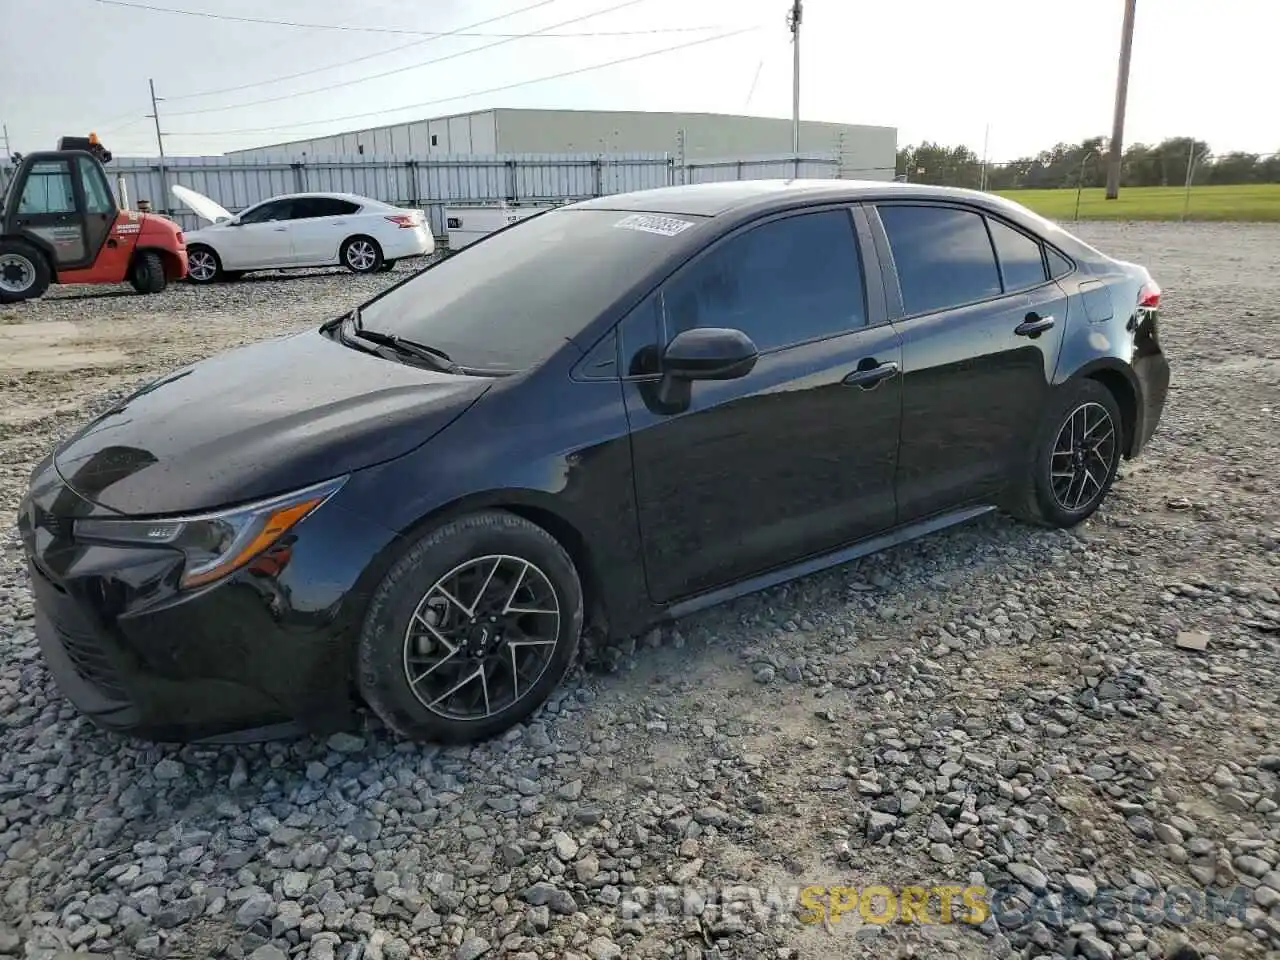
{"points": [[1037, 72]]}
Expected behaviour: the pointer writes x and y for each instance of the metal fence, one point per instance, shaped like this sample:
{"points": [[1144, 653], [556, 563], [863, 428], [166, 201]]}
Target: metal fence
{"points": [[432, 184]]}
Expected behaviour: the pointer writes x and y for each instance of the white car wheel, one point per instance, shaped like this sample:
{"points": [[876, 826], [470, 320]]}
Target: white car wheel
{"points": [[362, 255], [202, 265]]}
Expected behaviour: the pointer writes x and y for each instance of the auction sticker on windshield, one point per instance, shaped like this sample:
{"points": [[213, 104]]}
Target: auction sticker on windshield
{"points": [[665, 226]]}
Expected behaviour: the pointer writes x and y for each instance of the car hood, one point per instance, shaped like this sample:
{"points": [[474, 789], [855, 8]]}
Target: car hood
{"points": [[211, 210], [257, 421]]}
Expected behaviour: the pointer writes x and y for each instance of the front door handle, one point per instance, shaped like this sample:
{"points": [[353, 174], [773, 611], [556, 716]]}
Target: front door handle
{"points": [[868, 376], [1033, 325]]}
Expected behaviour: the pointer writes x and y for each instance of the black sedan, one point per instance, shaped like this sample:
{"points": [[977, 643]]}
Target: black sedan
{"points": [[614, 412]]}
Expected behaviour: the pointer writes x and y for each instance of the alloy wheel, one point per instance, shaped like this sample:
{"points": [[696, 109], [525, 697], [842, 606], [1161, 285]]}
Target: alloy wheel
{"points": [[481, 637], [201, 265], [17, 273], [361, 255], [1083, 454]]}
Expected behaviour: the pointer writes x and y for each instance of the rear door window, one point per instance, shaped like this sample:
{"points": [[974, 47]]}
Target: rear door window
{"points": [[943, 256], [1021, 263], [306, 208]]}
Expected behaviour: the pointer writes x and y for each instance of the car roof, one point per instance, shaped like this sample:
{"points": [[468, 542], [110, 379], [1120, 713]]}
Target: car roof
{"points": [[352, 197], [733, 196], [741, 200]]}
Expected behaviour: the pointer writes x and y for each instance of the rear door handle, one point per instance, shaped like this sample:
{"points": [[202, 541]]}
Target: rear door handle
{"points": [[1033, 325], [868, 376]]}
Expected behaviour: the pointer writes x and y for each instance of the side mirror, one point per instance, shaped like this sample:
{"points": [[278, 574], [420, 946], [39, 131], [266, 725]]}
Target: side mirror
{"points": [[709, 353]]}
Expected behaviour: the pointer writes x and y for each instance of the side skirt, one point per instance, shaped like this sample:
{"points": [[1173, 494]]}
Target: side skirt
{"points": [[862, 548]]}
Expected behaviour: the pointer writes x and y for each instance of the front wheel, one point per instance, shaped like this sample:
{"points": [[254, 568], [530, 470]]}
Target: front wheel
{"points": [[24, 272], [203, 264], [471, 630], [147, 274], [1074, 459], [362, 255]]}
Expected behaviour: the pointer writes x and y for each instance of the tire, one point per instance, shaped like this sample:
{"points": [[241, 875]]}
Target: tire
{"points": [[361, 254], [1061, 489], [147, 273], [387, 266], [24, 272], [408, 613], [204, 266]]}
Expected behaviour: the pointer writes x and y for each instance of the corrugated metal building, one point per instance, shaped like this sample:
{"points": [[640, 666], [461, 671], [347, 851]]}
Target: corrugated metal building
{"points": [[865, 152]]}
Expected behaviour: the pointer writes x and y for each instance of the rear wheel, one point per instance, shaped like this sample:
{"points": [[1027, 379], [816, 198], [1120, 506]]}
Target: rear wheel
{"points": [[203, 264], [1075, 457], [471, 630], [147, 274], [24, 272], [362, 255]]}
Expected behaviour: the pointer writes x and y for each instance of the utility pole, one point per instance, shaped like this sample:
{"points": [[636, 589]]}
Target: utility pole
{"points": [[793, 21], [1122, 93], [155, 115], [986, 138], [7, 152]]}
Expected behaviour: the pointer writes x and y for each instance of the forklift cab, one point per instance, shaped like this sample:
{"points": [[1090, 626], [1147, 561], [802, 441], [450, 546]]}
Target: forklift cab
{"points": [[62, 203]]}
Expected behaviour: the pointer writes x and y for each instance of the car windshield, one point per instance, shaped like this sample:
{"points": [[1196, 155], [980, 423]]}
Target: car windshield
{"points": [[508, 302]]}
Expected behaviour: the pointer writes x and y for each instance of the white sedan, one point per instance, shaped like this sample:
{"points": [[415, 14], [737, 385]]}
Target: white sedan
{"points": [[302, 230]]}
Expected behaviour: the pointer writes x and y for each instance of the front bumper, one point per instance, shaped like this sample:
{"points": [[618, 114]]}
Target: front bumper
{"points": [[266, 651], [99, 671]]}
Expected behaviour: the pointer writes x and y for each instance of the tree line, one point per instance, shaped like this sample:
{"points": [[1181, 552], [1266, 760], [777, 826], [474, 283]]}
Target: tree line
{"points": [[1085, 163]]}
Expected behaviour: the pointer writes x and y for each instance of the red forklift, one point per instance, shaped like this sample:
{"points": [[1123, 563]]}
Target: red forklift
{"points": [[60, 223]]}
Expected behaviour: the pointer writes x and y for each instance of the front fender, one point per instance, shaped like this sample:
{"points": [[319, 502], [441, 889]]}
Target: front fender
{"points": [[562, 461], [159, 233], [163, 236]]}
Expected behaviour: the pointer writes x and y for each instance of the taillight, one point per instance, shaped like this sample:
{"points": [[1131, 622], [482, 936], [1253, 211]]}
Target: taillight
{"points": [[405, 221], [1150, 295]]}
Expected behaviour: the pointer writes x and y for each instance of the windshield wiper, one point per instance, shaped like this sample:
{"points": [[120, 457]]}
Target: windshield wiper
{"points": [[370, 340], [430, 355]]}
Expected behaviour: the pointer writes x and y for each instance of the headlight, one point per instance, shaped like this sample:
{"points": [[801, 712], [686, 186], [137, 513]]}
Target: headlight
{"points": [[215, 544]]}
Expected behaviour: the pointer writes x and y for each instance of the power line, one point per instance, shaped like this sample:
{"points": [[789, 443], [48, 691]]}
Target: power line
{"points": [[472, 93], [391, 30], [371, 56], [397, 70], [120, 123]]}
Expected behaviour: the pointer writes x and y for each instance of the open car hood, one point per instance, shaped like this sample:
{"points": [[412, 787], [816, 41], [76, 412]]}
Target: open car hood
{"points": [[211, 210]]}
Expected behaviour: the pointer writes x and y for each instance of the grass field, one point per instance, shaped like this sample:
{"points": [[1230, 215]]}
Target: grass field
{"points": [[1257, 201]]}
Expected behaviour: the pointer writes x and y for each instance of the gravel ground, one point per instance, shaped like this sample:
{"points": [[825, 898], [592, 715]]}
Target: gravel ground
{"points": [[997, 706]]}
